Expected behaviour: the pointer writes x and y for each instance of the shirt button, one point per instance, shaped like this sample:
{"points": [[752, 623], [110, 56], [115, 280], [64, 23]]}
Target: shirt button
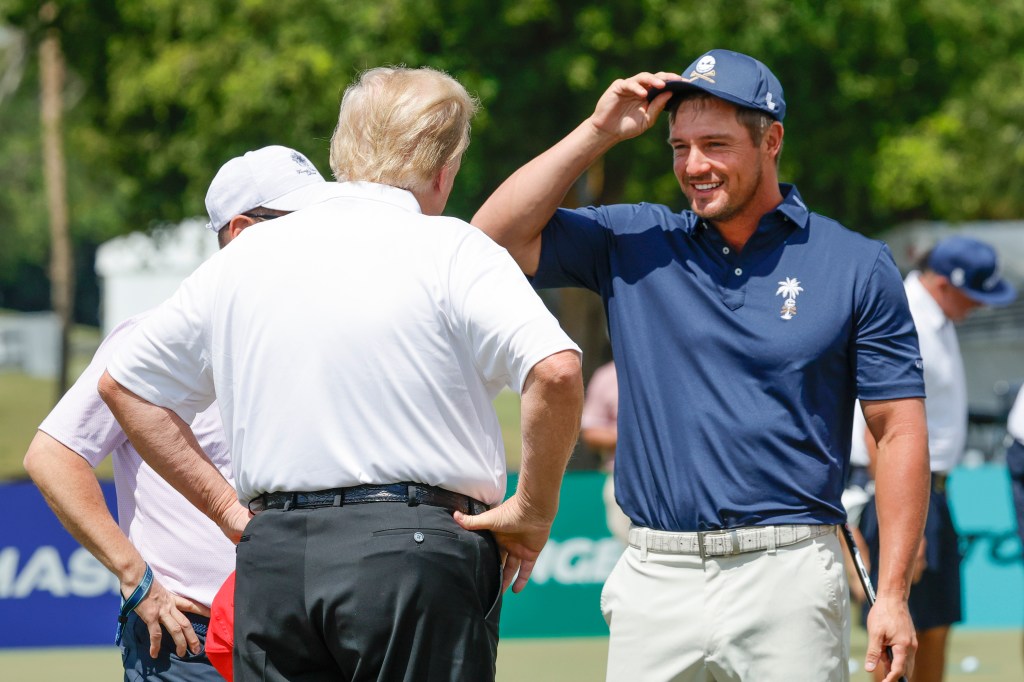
{"points": [[417, 536], [725, 249], [738, 271]]}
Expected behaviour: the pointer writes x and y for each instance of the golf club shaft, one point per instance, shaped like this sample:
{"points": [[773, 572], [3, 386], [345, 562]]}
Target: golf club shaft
{"points": [[865, 579]]}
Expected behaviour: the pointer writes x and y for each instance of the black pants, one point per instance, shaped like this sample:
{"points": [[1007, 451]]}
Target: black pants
{"points": [[935, 600], [380, 591]]}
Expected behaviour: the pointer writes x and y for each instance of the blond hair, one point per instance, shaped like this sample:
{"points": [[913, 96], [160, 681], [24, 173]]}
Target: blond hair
{"points": [[399, 126]]}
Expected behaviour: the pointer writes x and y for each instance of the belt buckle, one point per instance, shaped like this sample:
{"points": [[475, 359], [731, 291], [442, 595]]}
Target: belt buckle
{"points": [[723, 542]]}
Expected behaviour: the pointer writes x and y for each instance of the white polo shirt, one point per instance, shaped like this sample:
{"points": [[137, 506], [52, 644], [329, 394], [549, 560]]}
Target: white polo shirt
{"points": [[356, 341], [945, 383], [188, 553], [1015, 420]]}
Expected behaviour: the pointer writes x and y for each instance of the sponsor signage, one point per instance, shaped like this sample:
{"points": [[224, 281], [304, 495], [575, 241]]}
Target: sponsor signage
{"points": [[54, 593]]}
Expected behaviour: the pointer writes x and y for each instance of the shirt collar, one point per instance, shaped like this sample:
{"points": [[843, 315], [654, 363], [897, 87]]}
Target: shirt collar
{"points": [[925, 308], [793, 206], [373, 191]]}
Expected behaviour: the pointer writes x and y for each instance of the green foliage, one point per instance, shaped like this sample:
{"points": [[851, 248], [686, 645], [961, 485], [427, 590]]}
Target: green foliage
{"points": [[896, 108]]}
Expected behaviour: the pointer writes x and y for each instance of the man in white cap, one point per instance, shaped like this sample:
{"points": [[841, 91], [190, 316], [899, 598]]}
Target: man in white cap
{"points": [[958, 276], [169, 558]]}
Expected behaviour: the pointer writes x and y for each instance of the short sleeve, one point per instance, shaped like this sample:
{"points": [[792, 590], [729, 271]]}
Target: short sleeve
{"points": [[166, 361], [508, 328], [887, 353], [81, 420], [575, 248]]}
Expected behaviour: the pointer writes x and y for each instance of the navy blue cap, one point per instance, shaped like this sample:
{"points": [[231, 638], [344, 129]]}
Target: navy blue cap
{"points": [[972, 267], [734, 77]]}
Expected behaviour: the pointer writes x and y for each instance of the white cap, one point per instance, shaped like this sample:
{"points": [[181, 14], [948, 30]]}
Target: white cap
{"points": [[273, 177]]}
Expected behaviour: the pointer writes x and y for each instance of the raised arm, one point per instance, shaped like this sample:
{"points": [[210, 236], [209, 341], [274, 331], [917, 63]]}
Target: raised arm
{"points": [[901, 497], [516, 213], [168, 445], [551, 406]]}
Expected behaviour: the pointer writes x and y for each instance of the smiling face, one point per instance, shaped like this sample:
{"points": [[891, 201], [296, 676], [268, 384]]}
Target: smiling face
{"points": [[727, 178]]}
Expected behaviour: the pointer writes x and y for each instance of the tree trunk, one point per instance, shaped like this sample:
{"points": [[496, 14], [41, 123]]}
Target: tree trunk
{"points": [[62, 281]]}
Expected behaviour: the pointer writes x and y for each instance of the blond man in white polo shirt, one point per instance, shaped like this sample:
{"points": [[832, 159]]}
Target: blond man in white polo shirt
{"points": [[160, 540], [355, 380]]}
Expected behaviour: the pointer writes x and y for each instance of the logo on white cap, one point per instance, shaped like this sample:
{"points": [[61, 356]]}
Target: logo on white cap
{"points": [[305, 166]]}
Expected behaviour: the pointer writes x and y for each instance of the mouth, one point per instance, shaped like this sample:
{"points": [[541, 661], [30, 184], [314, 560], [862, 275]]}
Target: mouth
{"points": [[705, 186]]}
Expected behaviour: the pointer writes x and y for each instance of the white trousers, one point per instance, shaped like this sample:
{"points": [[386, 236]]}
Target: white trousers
{"points": [[765, 616]]}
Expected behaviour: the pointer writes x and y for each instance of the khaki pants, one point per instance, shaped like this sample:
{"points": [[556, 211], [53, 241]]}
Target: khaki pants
{"points": [[756, 617]]}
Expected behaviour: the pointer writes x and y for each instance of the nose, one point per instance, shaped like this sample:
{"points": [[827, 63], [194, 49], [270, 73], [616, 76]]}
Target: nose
{"points": [[696, 163]]}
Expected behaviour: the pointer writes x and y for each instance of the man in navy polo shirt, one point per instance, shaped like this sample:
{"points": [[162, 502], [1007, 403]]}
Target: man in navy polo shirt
{"points": [[743, 331]]}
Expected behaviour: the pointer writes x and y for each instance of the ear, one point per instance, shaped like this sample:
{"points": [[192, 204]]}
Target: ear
{"points": [[773, 139], [237, 224], [444, 179]]}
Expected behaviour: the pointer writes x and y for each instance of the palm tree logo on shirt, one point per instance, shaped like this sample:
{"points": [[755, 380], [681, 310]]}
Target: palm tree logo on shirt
{"points": [[789, 288]]}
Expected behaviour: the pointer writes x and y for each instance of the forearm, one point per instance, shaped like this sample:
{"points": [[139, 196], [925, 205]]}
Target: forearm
{"points": [[552, 402], [516, 213], [70, 487], [168, 445], [901, 497]]}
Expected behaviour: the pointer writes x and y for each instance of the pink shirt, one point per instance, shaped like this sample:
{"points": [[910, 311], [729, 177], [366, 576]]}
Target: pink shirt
{"points": [[188, 553], [601, 407]]}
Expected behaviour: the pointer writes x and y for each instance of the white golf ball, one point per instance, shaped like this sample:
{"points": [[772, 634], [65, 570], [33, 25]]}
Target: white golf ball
{"points": [[970, 664]]}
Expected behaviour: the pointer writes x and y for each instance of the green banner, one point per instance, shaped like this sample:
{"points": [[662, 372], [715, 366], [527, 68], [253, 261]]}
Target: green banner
{"points": [[563, 596]]}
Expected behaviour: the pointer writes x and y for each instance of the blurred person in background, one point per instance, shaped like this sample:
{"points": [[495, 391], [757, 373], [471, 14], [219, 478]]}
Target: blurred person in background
{"points": [[599, 430], [160, 545], [958, 276], [1015, 460]]}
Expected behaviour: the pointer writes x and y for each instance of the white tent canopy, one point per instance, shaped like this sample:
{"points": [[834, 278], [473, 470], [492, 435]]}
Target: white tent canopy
{"points": [[139, 271]]}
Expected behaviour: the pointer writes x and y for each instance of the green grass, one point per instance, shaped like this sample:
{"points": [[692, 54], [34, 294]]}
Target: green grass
{"points": [[24, 401], [548, 660]]}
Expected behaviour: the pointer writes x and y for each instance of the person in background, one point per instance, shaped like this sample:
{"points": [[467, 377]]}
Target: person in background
{"points": [[599, 430], [1015, 459], [958, 276], [158, 532]]}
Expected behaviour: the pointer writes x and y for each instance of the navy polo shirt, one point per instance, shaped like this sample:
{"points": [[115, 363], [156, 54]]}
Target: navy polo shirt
{"points": [[737, 371]]}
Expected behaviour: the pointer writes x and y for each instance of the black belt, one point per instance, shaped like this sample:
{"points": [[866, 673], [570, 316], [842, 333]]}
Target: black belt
{"points": [[411, 494]]}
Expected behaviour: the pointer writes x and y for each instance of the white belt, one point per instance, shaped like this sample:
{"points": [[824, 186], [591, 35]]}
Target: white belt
{"points": [[723, 542]]}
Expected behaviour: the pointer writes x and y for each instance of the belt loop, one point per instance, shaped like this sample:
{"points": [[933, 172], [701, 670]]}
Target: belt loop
{"points": [[410, 496], [772, 538], [290, 502], [643, 544], [338, 500]]}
